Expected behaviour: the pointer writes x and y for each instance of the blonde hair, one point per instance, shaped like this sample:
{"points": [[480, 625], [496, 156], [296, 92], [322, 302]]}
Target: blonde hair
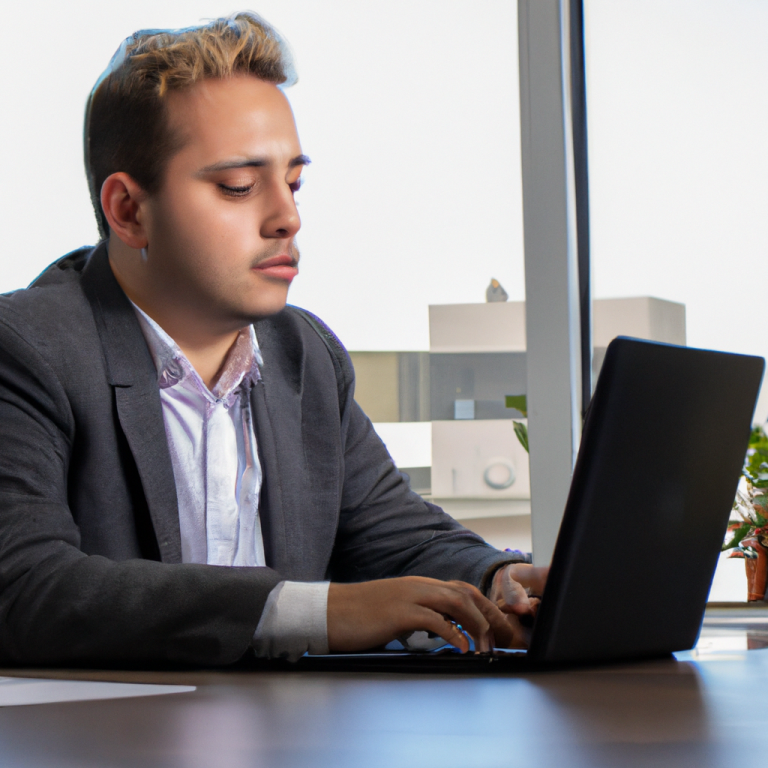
{"points": [[126, 125]]}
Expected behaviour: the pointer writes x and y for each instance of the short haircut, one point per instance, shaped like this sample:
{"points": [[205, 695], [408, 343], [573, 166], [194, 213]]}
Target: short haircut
{"points": [[126, 123]]}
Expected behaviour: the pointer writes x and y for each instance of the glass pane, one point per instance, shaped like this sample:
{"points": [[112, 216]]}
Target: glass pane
{"points": [[409, 111], [678, 118]]}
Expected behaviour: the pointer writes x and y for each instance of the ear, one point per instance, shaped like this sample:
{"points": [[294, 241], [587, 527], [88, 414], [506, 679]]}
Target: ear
{"points": [[121, 199]]}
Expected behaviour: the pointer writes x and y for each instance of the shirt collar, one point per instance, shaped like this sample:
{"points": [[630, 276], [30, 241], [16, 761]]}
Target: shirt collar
{"points": [[241, 365]]}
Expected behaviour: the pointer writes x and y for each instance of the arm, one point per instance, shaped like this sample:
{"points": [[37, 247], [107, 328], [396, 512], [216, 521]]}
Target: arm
{"points": [[59, 605], [387, 530]]}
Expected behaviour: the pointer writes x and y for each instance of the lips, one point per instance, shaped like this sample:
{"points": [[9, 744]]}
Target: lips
{"points": [[280, 267]]}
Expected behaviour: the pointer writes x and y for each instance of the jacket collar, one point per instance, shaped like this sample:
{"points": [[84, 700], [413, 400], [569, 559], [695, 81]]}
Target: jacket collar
{"points": [[125, 350], [132, 374], [241, 366]]}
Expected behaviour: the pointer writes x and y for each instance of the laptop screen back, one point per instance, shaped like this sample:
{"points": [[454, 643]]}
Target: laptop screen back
{"points": [[654, 482]]}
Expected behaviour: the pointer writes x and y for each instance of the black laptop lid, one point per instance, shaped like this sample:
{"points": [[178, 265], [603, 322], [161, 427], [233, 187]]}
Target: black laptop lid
{"points": [[660, 458]]}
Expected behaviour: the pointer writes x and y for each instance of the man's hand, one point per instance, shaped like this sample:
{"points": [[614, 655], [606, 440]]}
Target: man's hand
{"points": [[371, 613], [516, 591]]}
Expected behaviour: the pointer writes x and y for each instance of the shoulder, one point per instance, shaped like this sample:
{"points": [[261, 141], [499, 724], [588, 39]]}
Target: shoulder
{"points": [[56, 290], [330, 340], [66, 270], [51, 311], [302, 341]]}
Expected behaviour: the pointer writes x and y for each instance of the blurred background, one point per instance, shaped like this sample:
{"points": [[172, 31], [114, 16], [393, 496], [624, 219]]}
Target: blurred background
{"points": [[409, 111]]}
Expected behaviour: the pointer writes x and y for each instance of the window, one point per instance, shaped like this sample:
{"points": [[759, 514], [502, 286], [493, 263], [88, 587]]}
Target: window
{"points": [[678, 144]]}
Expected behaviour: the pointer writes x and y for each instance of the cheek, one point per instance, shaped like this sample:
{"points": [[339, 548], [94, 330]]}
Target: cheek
{"points": [[210, 221], [207, 242]]}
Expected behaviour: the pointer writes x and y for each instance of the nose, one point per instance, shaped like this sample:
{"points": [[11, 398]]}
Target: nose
{"points": [[282, 217]]}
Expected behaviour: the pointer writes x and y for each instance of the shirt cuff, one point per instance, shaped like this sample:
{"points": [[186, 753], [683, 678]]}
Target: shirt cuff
{"points": [[294, 621]]}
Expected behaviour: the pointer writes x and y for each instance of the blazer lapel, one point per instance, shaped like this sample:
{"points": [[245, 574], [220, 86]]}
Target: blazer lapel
{"points": [[134, 379], [271, 514], [299, 457]]}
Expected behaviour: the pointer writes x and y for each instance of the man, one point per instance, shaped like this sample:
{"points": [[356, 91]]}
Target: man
{"points": [[184, 473]]}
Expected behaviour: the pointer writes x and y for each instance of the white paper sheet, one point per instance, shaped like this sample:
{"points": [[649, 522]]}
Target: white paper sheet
{"points": [[17, 691]]}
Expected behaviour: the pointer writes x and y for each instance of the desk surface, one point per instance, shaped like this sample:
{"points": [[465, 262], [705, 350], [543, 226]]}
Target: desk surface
{"points": [[706, 709]]}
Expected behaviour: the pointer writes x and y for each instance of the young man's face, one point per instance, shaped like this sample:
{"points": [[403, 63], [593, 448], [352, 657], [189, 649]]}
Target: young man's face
{"points": [[221, 228]]}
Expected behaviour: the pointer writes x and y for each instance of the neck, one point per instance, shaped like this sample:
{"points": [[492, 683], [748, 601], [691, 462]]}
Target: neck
{"points": [[203, 344], [206, 354]]}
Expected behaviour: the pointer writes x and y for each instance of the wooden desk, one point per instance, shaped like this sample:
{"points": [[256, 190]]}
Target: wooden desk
{"points": [[708, 709]]}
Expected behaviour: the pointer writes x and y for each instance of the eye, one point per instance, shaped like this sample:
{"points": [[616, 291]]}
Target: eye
{"points": [[296, 185], [235, 191]]}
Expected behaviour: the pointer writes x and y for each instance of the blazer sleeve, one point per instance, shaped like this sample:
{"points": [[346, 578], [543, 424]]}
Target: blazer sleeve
{"points": [[385, 529], [61, 606]]}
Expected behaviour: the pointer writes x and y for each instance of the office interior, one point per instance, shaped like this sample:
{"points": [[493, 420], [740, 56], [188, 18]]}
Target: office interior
{"points": [[413, 203], [676, 157]]}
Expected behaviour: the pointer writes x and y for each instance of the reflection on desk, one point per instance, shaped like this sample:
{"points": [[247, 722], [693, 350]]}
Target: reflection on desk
{"points": [[731, 629], [700, 710]]}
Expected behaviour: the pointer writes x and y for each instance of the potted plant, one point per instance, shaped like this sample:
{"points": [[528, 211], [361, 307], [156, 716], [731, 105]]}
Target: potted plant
{"points": [[748, 530]]}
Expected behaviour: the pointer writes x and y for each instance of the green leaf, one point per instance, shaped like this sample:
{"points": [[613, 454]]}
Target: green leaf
{"points": [[758, 437], [749, 475], [738, 535], [757, 456], [519, 402], [521, 430]]}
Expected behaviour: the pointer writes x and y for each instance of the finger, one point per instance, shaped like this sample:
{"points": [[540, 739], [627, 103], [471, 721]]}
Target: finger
{"points": [[465, 605], [532, 577], [434, 622], [498, 627], [519, 635], [457, 600], [511, 596]]}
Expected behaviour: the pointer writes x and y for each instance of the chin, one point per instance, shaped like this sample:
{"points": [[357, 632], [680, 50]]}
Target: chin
{"points": [[247, 306], [265, 307]]}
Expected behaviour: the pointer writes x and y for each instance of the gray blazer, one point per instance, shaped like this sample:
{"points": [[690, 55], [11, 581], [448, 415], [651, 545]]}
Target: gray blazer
{"points": [[90, 553]]}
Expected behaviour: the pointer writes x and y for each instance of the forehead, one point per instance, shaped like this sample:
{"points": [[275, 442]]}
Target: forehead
{"points": [[240, 115]]}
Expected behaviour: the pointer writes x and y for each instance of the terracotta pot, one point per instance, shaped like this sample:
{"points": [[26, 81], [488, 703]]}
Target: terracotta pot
{"points": [[757, 573]]}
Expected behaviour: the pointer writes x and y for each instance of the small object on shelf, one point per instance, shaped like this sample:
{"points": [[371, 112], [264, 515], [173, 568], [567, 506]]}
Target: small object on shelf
{"points": [[494, 292]]}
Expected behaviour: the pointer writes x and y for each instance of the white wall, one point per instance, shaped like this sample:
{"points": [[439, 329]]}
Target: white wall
{"points": [[678, 122], [409, 111]]}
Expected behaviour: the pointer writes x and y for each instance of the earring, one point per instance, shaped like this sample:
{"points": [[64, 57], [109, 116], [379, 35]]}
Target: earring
{"points": [[144, 253]]}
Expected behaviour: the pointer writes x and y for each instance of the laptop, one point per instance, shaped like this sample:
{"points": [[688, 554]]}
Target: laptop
{"points": [[660, 458]]}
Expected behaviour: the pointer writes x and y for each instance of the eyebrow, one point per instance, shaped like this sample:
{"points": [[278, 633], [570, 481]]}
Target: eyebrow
{"points": [[251, 162]]}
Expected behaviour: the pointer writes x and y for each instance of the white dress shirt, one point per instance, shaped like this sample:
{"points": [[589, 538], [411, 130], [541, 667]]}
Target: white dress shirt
{"points": [[218, 478]]}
